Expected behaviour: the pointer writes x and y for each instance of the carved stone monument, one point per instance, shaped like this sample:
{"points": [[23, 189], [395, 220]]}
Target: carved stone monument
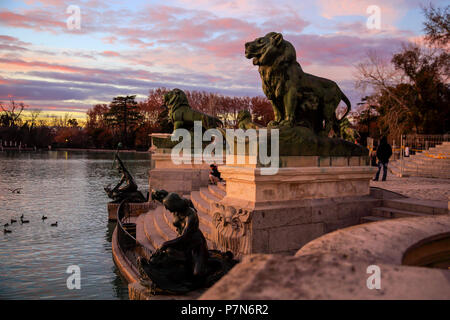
{"points": [[321, 182]]}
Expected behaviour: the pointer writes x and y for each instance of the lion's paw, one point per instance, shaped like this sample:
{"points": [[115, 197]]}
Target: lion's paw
{"points": [[273, 124], [287, 123]]}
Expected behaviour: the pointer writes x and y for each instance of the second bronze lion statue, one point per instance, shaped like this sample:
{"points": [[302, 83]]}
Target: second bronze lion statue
{"points": [[183, 116], [296, 96], [244, 120]]}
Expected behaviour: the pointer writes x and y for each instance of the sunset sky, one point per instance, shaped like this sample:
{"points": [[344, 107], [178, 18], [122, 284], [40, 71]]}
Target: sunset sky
{"points": [[129, 47]]}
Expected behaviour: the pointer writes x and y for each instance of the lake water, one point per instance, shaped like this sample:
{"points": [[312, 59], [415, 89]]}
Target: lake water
{"points": [[67, 187]]}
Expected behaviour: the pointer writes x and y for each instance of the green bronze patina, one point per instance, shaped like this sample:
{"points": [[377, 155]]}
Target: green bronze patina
{"points": [[298, 98], [244, 120], [302, 141], [304, 105], [183, 116]]}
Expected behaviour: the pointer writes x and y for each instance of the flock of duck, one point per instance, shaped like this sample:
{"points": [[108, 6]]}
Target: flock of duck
{"points": [[22, 219]]}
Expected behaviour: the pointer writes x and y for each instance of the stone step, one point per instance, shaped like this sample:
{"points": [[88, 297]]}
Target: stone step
{"points": [[395, 170], [206, 225], [368, 219], [444, 150], [430, 156], [199, 203], [215, 190], [440, 148], [168, 218], [427, 160], [385, 212], [416, 205], [222, 185], [411, 169], [151, 232], [140, 233], [427, 165], [206, 221], [209, 197], [163, 228], [428, 173], [442, 163]]}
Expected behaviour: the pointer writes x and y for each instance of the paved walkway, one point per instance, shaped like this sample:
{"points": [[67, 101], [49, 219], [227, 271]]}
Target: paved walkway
{"points": [[416, 187]]}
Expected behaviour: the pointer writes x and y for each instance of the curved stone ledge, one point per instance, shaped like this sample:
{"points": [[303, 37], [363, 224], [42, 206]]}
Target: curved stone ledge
{"points": [[378, 242], [334, 266], [125, 270]]}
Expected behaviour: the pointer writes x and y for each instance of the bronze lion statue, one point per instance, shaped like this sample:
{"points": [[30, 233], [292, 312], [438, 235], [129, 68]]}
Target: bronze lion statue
{"points": [[183, 116], [244, 120], [297, 97]]}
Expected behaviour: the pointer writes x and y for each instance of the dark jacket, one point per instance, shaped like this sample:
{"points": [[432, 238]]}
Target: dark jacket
{"points": [[215, 172], [384, 151]]}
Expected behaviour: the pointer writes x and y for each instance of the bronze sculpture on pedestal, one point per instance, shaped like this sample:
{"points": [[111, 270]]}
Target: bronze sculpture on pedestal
{"points": [[297, 97], [183, 116], [183, 264], [129, 191]]}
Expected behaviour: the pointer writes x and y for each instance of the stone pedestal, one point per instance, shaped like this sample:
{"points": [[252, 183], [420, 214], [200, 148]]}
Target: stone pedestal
{"points": [[275, 213], [295, 183], [180, 178], [280, 213]]}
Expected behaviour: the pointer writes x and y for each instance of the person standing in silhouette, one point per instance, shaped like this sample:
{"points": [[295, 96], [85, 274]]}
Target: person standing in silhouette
{"points": [[384, 152]]}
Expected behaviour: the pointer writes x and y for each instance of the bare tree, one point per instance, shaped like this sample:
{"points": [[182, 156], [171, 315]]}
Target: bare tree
{"points": [[437, 25], [12, 112], [378, 73], [34, 114]]}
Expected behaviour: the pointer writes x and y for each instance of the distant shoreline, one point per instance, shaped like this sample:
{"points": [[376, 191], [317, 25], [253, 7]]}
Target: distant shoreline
{"points": [[71, 149], [97, 150]]}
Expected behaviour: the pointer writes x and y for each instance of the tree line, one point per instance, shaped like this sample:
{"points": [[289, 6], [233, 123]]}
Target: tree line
{"points": [[123, 120], [130, 122]]}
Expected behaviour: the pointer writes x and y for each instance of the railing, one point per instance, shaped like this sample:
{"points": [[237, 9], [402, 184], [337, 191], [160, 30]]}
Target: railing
{"points": [[422, 142], [130, 247], [413, 143]]}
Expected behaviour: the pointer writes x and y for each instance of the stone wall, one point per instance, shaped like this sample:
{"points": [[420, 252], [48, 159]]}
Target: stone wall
{"points": [[280, 213], [335, 266], [181, 181], [285, 229]]}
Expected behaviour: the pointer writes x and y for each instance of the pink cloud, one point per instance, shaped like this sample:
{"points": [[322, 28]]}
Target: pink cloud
{"points": [[37, 20], [110, 54], [8, 38], [109, 40], [223, 47], [43, 65]]}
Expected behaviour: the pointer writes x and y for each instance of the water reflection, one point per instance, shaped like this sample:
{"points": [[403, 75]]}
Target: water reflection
{"points": [[66, 187]]}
